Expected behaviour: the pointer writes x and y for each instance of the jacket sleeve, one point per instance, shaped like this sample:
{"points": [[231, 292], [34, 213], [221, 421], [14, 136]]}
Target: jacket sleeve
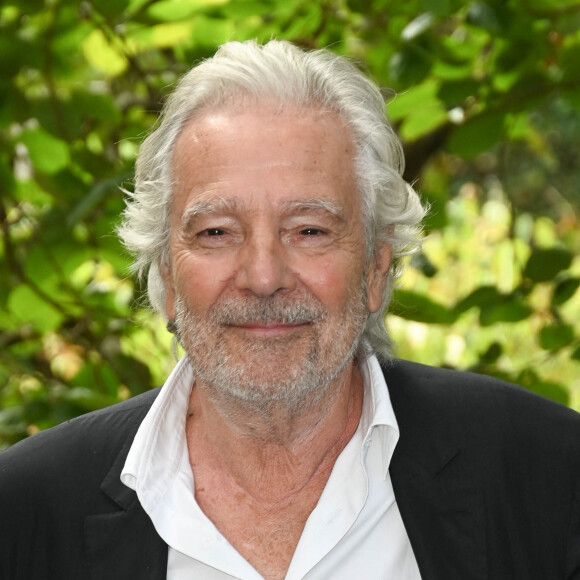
{"points": [[573, 551]]}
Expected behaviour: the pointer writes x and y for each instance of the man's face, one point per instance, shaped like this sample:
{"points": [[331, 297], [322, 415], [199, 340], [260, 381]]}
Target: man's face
{"points": [[268, 282]]}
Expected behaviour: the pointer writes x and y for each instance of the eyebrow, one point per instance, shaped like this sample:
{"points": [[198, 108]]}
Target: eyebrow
{"points": [[204, 207], [323, 204]]}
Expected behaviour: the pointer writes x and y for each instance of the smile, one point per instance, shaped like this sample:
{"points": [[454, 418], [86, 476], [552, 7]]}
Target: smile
{"points": [[269, 329]]}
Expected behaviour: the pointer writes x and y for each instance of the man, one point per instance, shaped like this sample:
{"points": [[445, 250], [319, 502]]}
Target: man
{"points": [[269, 215]]}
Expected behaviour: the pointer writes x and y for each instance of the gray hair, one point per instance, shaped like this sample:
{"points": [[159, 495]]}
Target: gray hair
{"points": [[291, 77]]}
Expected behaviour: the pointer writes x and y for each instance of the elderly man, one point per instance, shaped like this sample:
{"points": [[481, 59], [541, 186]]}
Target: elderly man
{"points": [[269, 214]]}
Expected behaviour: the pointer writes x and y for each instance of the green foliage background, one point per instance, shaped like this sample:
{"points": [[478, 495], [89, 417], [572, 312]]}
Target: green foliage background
{"points": [[486, 99]]}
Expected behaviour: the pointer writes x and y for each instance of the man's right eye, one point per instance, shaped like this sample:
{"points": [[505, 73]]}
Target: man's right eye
{"points": [[210, 232]]}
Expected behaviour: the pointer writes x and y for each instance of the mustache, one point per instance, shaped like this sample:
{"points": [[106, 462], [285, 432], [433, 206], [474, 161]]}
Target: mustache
{"points": [[268, 310]]}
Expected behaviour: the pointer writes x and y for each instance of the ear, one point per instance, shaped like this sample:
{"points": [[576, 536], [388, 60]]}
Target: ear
{"points": [[169, 291], [377, 277]]}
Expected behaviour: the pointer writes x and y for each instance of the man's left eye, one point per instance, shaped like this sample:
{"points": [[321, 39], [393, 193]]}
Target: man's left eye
{"points": [[311, 232]]}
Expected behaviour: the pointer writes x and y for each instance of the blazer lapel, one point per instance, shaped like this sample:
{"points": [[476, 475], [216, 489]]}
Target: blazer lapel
{"points": [[445, 521], [433, 472], [123, 544]]}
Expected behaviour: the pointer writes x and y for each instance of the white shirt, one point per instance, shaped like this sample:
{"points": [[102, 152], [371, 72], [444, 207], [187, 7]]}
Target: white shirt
{"points": [[355, 530]]}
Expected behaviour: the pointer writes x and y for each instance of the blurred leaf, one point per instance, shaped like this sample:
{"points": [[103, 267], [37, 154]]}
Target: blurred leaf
{"points": [[422, 122], [418, 25], [569, 61], [104, 57], [482, 14], [490, 356], [413, 306], [551, 390], [170, 10], [406, 102], [12, 422], [512, 310], [238, 10], [455, 92], [438, 7], [211, 31], [47, 153], [564, 290], [556, 336], [86, 398], [28, 307], [544, 264], [422, 262], [480, 297], [410, 65], [476, 135], [94, 197]]}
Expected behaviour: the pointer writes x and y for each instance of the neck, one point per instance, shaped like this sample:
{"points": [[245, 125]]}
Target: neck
{"points": [[275, 452]]}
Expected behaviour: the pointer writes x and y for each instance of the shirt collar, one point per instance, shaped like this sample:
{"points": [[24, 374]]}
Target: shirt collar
{"points": [[378, 424], [156, 452]]}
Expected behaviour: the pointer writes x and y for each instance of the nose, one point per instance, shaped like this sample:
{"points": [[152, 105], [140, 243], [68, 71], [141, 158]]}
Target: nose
{"points": [[264, 266]]}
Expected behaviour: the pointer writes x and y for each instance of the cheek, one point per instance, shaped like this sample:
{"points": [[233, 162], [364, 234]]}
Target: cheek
{"points": [[333, 284], [201, 281]]}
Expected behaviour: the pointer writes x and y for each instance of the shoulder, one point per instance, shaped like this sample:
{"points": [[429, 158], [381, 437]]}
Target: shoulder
{"points": [[85, 444], [473, 403]]}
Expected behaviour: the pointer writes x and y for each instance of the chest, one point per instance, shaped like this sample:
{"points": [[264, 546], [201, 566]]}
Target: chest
{"points": [[265, 533]]}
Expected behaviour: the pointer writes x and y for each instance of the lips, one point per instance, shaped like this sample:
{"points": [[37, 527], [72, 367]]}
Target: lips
{"points": [[269, 329]]}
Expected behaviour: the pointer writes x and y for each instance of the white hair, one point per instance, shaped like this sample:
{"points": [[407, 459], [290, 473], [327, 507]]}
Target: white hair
{"points": [[288, 76]]}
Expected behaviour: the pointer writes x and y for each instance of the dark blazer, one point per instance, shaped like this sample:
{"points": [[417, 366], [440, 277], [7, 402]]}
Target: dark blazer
{"points": [[486, 476]]}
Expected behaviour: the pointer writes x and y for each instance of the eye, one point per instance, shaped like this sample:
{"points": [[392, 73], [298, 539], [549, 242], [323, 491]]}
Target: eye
{"points": [[215, 238], [312, 232], [212, 232]]}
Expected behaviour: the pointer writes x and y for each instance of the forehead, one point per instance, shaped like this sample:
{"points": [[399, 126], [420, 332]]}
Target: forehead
{"points": [[264, 151]]}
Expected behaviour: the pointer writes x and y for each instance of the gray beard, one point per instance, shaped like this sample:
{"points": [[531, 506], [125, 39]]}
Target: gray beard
{"points": [[262, 373]]}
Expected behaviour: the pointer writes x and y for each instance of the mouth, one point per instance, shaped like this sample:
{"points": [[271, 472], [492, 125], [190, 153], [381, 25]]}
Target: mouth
{"points": [[270, 329]]}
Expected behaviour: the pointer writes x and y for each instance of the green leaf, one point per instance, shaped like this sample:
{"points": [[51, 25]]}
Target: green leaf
{"points": [[455, 92], [556, 336], [476, 135], [550, 390], [28, 307], [439, 7], [240, 10], [87, 399], [480, 297], [423, 121], [208, 32], [421, 262], [544, 264], [305, 25], [95, 106], [406, 102], [490, 356], [94, 197], [509, 311], [413, 306], [410, 65], [565, 290], [12, 421], [48, 153], [418, 26], [171, 10], [482, 14], [103, 56]]}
